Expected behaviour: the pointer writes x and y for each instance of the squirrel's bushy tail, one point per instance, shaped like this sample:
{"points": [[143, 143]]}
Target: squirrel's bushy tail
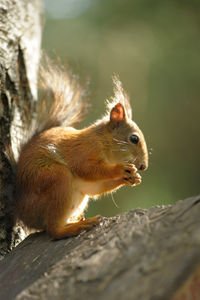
{"points": [[64, 102]]}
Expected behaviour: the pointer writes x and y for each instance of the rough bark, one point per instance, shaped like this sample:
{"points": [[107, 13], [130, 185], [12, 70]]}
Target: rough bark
{"points": [[20, 34], [143, 254]]}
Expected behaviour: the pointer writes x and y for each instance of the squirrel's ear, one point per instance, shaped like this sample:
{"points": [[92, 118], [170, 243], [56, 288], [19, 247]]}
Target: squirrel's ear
{"points": [[117, 113]]}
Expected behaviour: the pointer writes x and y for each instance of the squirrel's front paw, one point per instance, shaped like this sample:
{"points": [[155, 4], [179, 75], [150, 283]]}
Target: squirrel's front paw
{"points": [[133, 180], [131, 177]]}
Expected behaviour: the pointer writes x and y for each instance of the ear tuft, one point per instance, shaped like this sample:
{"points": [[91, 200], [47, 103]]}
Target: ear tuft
{"points": [[117, 113], [120, 96]]}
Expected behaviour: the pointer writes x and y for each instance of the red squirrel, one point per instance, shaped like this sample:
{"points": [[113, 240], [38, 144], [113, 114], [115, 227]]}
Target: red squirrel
{"points": [[60, 167]]}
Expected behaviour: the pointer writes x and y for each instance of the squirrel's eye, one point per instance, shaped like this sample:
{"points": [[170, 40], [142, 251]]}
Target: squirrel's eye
{"points": [[134, 139]]}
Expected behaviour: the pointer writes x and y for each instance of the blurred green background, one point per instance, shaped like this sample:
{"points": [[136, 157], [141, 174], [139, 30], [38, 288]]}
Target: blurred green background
{"points": [[154, 46]]}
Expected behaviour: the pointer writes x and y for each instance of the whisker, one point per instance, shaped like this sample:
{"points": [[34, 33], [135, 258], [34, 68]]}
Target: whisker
{"points": [[114, 201], [119, 141], [121, 149], [131, 161]]}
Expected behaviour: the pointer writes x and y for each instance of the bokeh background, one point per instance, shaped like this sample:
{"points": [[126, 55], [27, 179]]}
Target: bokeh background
{"points": [[154, 46]]}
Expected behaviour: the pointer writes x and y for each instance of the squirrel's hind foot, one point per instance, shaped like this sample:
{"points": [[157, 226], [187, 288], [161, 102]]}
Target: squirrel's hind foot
{"points": [[73, 229]]}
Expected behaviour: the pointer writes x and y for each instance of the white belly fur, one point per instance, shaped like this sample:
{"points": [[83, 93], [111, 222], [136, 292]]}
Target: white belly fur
{"points": [[90, 188], [81, 192]]}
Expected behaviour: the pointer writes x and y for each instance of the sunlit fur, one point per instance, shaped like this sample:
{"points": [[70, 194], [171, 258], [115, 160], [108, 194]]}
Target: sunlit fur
{"points": [[65, 101]]}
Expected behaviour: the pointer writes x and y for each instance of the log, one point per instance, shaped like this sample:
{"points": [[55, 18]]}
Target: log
{"points": [[142, 254]]}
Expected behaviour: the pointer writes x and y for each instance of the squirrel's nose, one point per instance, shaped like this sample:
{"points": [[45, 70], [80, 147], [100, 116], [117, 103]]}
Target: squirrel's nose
{"points": [[142, 167]]}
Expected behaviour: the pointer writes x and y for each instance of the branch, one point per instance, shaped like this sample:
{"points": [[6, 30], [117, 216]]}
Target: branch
{"points": [[143, 254]]}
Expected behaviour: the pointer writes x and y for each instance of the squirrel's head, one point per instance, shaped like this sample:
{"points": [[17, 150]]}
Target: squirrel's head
{"points": [[128, 141]]}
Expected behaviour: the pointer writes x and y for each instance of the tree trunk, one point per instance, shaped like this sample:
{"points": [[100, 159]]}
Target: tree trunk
{"points": [[20, 35], [140, 255]]}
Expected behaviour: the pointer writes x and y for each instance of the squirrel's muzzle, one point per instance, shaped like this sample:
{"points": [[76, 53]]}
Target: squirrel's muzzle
{"points": [[143, 167]]}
